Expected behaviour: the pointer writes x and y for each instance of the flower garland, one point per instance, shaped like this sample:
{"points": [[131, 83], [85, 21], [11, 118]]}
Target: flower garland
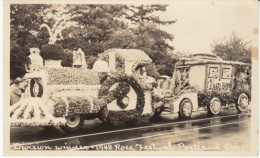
{"points": [[105, 97]]}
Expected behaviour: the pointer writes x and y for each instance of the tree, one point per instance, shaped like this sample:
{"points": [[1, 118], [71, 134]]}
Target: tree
{"points": [[102, 27], [95, 28], [150, 38], [96, 25], [181, 54], [146, 14], [58, 18], [23, 20], [233, 48]]}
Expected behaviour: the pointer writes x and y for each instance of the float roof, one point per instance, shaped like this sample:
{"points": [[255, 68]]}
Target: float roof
{"points": [[129, 54], [203, 59]]}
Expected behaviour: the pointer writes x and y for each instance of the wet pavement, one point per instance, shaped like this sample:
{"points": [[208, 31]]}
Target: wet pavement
{"points": [[167, 132]]}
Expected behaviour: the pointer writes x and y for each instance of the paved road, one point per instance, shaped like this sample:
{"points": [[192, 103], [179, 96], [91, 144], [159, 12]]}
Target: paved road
{"points": [[230, 132]]}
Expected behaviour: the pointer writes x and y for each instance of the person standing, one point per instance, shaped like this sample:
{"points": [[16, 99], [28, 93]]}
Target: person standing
{"points": [[15, 91]]}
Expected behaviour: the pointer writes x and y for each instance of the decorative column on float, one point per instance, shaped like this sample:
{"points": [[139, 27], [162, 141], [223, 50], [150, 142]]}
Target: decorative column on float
{"points": [[34, 61], [79, 60]]}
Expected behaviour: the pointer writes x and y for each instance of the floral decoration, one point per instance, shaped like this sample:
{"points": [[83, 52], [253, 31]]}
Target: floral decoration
{"points": [[242, 81], [120, 64], [242, 84], [120, 92], [78, 105], [59, 108], [204, 97], [73, 105], [71, 76], [105, 97], [32, 112]]}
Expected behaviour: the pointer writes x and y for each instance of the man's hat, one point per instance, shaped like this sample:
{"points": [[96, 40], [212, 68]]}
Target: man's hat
{"points": [[17, 80]]}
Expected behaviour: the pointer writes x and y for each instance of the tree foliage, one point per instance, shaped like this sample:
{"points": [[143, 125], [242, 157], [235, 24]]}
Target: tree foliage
{"points": [[23, 20], [145, 13], [233, 48], [94, 28]]}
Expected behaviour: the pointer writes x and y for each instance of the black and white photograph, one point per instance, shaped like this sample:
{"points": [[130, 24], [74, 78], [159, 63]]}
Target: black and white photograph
{"points": [[154, 78]]}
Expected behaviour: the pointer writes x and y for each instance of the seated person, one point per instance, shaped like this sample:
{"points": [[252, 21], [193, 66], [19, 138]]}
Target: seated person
{"points": [[141, 75]]}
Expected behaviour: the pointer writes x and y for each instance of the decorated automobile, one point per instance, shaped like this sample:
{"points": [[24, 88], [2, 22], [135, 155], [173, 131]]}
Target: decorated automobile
{"points": [[204, 82], [116, 89]]}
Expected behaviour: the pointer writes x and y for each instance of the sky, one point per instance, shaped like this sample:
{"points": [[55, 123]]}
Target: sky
{"points": [[200, 22]]}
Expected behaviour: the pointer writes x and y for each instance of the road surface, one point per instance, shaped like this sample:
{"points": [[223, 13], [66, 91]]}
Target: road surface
{"points": [[230, 132]]}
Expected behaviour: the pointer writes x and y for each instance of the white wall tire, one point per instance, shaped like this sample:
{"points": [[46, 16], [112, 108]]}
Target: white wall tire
{"points": [[74, 123], [185, 108], [214, 106], [242, 102]]}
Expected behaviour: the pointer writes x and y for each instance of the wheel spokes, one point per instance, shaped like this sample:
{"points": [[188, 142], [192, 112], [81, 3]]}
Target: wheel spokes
{"points": [[215, 105], [243, 101], [186, 109]]}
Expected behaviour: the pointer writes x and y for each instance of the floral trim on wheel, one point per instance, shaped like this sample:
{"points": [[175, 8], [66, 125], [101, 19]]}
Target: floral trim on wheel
{"points": [[204, 97], [120, 92], [105, 97]]}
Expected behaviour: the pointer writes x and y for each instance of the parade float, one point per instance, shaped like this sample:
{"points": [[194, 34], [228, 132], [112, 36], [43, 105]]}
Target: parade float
{"points": [[216, 83], [116, 89]]}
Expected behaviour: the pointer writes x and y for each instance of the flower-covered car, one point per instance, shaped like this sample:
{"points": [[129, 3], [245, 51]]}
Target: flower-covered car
{"points": [[207, 82], [116, 89]]}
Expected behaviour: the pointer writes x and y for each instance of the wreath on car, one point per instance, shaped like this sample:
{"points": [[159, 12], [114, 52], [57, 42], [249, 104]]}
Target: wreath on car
{"points": [[106, 95]]}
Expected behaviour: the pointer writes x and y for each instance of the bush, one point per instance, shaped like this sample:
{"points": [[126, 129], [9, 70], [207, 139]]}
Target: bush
{"points": [[18, 57], [52, 51], [67, 59]]}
